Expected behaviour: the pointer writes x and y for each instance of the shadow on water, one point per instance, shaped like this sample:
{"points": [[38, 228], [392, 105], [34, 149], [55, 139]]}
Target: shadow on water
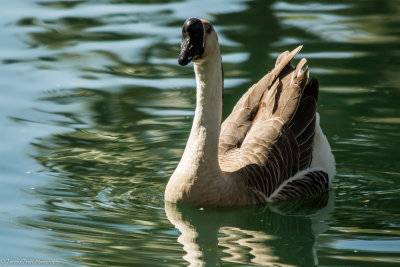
{"points": [[124, 114]]}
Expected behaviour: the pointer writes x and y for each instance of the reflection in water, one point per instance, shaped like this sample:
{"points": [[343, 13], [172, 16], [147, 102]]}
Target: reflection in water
{"points": [[283, 234]]}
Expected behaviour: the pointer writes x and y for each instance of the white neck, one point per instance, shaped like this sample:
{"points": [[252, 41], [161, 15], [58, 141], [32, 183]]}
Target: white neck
{"points": [[199, 164], [207, 119]]}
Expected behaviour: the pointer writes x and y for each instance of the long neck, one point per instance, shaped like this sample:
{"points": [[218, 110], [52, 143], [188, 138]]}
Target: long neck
{"points": [[201, 152], [207, 119], [198, 172]]}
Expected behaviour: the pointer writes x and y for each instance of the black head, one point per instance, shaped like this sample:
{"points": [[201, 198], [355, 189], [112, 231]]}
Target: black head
{"points": [[192, 46]]}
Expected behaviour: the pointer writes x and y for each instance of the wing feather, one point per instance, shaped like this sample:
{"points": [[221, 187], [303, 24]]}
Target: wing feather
{"points": [[247, 107], [308, 183], [271, 130]]}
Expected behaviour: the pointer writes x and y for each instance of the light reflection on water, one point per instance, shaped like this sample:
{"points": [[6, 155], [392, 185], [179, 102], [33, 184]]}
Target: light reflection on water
{"points": [[97, 113]]}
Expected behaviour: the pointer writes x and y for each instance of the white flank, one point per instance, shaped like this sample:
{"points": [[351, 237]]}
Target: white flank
{"points": [[323, 160], [322, 154]]}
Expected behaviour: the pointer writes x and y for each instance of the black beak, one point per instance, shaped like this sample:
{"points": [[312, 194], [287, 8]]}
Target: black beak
{"points": [[192, 46]]}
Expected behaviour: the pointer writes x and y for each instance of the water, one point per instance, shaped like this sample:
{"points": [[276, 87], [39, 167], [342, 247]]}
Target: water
{"points": [[95, 113]]}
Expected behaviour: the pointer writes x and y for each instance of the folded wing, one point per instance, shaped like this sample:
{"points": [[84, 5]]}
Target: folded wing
{"points": [[268, 138]]}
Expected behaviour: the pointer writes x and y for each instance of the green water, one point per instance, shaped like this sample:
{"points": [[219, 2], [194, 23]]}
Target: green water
{"points": [[95, 113]]}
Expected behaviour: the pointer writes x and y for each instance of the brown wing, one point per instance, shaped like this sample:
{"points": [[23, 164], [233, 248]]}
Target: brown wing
{"points": [[268, 138], [235, 128]]}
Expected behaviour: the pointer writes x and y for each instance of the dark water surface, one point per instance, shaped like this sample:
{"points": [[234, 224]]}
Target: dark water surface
{"points": [[95, 113]]}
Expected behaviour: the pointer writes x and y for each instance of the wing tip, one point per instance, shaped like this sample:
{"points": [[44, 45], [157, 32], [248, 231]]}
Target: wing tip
{"points": [[284, 59]]}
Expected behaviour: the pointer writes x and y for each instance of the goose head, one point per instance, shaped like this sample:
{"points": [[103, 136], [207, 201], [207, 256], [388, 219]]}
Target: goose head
{"points": [[199, 40]]}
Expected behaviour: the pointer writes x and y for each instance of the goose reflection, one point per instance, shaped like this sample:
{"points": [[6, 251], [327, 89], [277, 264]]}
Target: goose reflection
{"points": [[283, 234]]}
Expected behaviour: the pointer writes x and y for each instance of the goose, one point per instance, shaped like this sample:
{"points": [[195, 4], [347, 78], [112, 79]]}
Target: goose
{"points": [[270, 148]]}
